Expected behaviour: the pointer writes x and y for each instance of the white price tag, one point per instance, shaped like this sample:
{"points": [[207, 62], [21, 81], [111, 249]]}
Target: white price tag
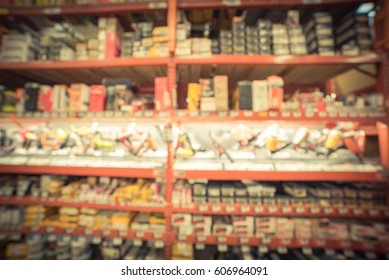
{"points": [[232, 3], [139, 234], [286, 209], [307, 251], [273, 114], [222, 239], [181, 113], [282, 250], [245, 249], [200, 246], [304, 241], [322, 114], [272, 209], [263, 249], [69, 230], [52, 11], [328, 210], [297, 114], [343, 211], [222, 248], [203, 208], [244, 240], [357, 211], [34, 228], [311, 1], [216, 208], [234, 114], [299, 210], [286, 241], [230, 208], [373, 212], [245, 209], [259, 209], [315, 210], [117, 241], [285, 114], [96, 240], [222, 114], [349, 253], [15, 237], [88, 231], [52, 238], [193, 113], [205, 114], [321, 242], [158, 5], [50, 229], [138, 242], [247, 113], [201, 239], [157, 235], [329, 252], [105, 231], [266, 240], [159, 244], [122, 232]]}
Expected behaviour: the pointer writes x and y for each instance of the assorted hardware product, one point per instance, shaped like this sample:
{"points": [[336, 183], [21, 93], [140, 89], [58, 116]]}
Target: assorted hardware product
{"points": [[297, 194], [66, 247], [111, 95], [344, 142], [87, 40], [187, 251], [280, 228], [99, 190], [85, 140]]}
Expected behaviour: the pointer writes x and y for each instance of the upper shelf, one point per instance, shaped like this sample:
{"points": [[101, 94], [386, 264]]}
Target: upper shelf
{"points": [[218, 4], [100, 9]]}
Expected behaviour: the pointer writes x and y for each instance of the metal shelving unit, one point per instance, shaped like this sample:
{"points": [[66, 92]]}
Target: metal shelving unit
{"points": [[320, 67]]}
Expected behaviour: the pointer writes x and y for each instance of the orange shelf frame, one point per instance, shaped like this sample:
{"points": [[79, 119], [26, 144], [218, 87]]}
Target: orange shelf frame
{"points": [[57, 202], [79, 171], [291, 60], [281, 175]]}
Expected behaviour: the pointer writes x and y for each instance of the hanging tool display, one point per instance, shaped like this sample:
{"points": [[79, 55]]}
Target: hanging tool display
{"points": [[220, 150]]}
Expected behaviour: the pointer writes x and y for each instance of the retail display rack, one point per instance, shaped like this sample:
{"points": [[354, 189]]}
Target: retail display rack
{"points": [[315, 69]]}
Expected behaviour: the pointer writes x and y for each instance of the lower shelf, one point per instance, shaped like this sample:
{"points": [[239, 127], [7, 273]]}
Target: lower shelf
{"points": [[106, 233], [285, 211], [79, 171], [288, 243]]}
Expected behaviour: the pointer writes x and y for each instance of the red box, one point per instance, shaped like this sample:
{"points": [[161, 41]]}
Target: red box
{"points": [[276, 98], [45, 99], [111, 45], [162, 100], [97, 98]]}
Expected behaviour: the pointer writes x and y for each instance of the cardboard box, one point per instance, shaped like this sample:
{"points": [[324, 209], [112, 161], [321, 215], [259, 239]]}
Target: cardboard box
{"points": [[162, 100], [276, 92], [220, 85], [260, 92], [79, 97], [245, 95], [60, 98], [97, 98], [208, 104]]}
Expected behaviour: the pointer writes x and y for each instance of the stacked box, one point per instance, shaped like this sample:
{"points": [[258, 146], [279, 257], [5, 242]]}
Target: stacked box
{"points": [[208, 100], [93, 48], [81, 249], [239, 36], [110, 32], [338, 230], [353, 35], [184, 47], [201, 46], [111, 251], [202, 225], [182, 223], [243, 226], [225, 42], [319, 34], [68, 217], [303, 228], [298, 44], [245, 95], [45, 99], [159, 42], [79, 97], [82, 51], [222, 226], [214, 192], [19, 47], [280, 39], [252, 40], [265, 36], [265, 227], [127, 44], [320, 228], [285, 228], [215, 46]]}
